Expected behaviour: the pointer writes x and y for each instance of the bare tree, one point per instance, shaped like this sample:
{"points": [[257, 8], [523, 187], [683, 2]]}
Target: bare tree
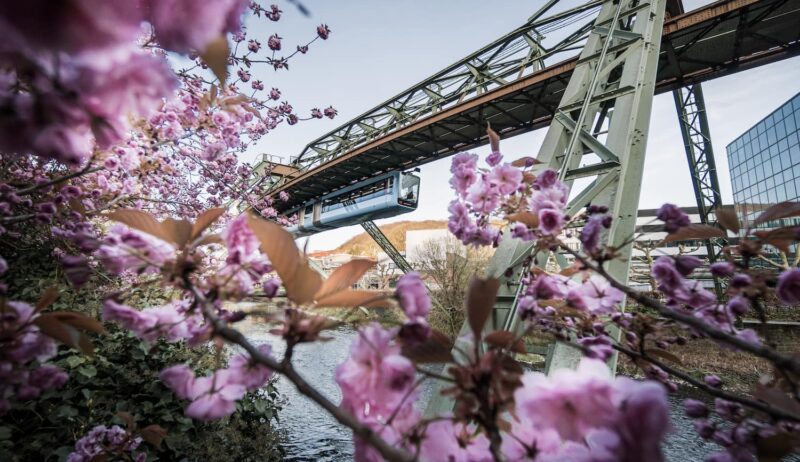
{"points": [[447, 267], [384, 273]]}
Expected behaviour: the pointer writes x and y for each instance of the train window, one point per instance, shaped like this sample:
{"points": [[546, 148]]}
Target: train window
{"points": [[409, 189], [364, 193]]}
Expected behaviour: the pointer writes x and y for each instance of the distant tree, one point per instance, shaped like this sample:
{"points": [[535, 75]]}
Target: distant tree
{"points": [[447, 266]]}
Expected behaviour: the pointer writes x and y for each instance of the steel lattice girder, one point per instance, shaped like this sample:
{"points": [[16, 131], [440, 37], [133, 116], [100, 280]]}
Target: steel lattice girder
{"points": [[719, 39], [696, 134], [606, 63]]}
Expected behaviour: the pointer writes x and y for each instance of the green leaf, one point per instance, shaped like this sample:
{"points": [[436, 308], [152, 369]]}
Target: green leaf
{"points": [[87, 371], [75, 361]]}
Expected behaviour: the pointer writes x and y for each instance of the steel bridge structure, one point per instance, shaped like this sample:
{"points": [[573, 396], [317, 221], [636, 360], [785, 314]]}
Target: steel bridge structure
{"points": [[516, 84], [589, 74]]}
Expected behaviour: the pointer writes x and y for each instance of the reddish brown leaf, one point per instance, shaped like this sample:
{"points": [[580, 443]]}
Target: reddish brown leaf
{"points": [[695, 231], [130, 424], [663, 354], [494, 139], [344, 277], [776, 398], [728, 219], [570, 270], [216, 56], [778, 211], [480, 301], [77, 206], [206, 219], [102, 457], [153, 434], [212, 94], [79, 321], [209, 239], [303, 284], [528, 178], [68, 335], [775, 447], [527, 218], [525, 161], [436, 349], [278, 245], [141, 221], [48, 298], [505, 339], [353, 298], [300, 281], [177, 231]]}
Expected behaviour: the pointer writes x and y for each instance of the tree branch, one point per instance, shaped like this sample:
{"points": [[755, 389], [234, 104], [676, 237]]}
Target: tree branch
{"points": [[778, 359], [388, 451]]}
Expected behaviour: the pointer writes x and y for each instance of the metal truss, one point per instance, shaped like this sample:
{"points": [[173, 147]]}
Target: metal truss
{"points": [[599, 132], [697, 142], [506, 60], [377, 235], [718, 39]]}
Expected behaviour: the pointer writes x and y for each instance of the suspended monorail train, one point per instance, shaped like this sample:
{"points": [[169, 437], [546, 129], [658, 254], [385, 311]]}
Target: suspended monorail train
{"points": [[383, 196]]}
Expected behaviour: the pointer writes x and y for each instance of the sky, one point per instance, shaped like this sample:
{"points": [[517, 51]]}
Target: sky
{"points": [[379, 48]]}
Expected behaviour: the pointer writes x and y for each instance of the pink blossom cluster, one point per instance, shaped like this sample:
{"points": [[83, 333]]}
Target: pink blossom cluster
{"points": [[588, 415], [480, 192], [688, 295], [378, 387], [413, 297], [112, 442], [215, 396], [23, 353], [245, 265], [580, 415], [734, 429], [172, 321], [574, 415], [592, 296], [127, 251]]}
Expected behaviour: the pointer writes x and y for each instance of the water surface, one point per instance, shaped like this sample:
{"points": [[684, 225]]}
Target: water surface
{"points": [[313, 435]]}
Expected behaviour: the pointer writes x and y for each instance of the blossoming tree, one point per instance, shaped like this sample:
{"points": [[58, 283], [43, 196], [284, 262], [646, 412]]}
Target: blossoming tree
{"points": [[101, 134]]}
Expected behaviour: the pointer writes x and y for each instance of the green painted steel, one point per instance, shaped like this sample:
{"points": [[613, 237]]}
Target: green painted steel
{"points": [[600, 132], [696, 134], [377, 235]]}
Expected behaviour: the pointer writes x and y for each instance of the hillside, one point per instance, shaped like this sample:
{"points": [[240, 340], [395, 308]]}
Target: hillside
{"points": [[362, 244]]}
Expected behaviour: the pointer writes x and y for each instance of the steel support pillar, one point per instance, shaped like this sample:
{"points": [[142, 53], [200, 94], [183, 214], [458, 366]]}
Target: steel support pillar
{"points": [[697, 142], [602, 123], [600, 131], [377, 235]]}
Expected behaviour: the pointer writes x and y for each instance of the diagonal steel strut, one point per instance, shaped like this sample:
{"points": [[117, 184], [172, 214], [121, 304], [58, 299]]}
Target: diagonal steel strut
{"points": [[377, 235]]}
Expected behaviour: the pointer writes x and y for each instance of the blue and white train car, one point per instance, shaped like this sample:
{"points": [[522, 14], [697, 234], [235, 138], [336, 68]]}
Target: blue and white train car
{"points": [[383, 196]]}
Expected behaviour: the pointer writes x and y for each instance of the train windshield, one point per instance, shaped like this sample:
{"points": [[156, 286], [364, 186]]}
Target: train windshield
{"points": [[409, 189]]}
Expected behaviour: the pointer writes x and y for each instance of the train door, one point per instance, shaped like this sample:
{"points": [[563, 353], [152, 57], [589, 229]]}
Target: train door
{"points": [[317, 212], [307, 218]]}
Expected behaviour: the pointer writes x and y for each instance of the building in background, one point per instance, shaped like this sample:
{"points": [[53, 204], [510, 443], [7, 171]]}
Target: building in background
{"points": [[765, 164]]}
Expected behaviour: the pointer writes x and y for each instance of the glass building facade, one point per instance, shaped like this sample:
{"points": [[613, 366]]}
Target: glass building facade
{"points": [[765, 163]]}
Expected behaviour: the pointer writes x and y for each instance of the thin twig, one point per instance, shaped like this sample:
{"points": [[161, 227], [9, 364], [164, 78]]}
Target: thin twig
{"points": [[778, 359], [716, 392]]}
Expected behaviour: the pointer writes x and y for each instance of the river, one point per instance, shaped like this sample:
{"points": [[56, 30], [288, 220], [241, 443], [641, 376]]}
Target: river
{"points": [[313, 435]]}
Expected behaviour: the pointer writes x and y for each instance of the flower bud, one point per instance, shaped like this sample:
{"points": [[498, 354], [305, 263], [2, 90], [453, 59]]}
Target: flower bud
{"points": [[695, 409]]}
